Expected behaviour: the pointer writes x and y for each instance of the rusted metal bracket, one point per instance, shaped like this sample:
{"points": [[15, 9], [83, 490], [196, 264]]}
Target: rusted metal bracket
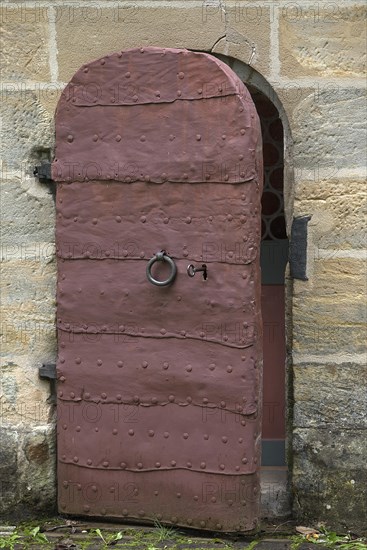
{"points": [[43, 173], [48, 372], [298, 248]]}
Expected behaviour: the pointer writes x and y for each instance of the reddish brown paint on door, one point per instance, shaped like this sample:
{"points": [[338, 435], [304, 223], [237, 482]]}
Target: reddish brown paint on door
{"points": [[159, 388]]}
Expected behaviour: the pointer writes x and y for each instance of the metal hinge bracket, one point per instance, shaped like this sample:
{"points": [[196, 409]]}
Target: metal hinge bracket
{"points": [[48, 372]]}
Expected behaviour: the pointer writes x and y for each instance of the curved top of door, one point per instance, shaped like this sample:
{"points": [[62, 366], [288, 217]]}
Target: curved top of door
{"points": [[156, 114]]}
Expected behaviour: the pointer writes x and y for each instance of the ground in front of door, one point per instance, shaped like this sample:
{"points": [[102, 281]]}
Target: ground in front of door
{"points": [[64, 534]]}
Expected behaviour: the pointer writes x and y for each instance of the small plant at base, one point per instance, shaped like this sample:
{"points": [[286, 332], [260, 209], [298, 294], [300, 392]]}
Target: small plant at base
{"points": [[108, 539], [9, 541], [164, 533]]}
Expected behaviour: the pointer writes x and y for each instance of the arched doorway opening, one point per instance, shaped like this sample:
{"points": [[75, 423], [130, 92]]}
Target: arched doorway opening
{"points": [[274, 256]]}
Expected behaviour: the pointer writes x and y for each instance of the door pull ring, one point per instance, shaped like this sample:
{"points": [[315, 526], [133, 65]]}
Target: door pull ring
{"points": [[161, 257]]}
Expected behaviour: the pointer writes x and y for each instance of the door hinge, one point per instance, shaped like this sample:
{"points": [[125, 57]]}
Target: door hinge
{"points": [[43, 173], [48, 372], [298, 248]]}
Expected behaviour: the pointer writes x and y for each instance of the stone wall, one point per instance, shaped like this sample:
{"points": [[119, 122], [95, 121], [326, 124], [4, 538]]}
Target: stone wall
{"points": [[310, 60]]}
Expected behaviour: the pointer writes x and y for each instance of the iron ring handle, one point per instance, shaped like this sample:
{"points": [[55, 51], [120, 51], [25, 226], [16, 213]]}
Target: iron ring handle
{"points": [[161, 257]]}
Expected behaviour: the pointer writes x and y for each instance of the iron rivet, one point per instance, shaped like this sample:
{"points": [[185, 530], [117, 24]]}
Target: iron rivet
{"points": [[156, 494], [202, 465], [179, 93], [141, 513], [242, 131], [103, 511], [94, 221], [185, 435], [120, 364], [135, 98], [202, 334], [229, 368], [241, 157], [189, 368], [78, 428], [200, 91], [171, 398], [165, 365], [65, 484], [166, 220], [124, 512], [163, 331], [118, 397], [222, 404], [123, 465], [181, 75], [76, 459], [171, 137], [118, 138], [225, 338], [103, 395], [230, 502], [207, 176], [96, 429], [185, 176], [229, 217], [189, 399], [86, 508], [131, 432], [142, 254], [95, 137], [244, 461], [143, 219], [154, 400], [202, 523], [189, 521], [183, 332], [206, 436], [70, 138], [86, 69], [205, 400], [185, 254], [240, 440], [158, 93], [62, 360], [157, 464], [174, 519], [237, 468], [151, 433], [121, 328], [241, 109], [173, 463], [62, 378], [188, 219], [140, 465], [72, 395], [213, 499], [226, 177], [144, 364], [166, 435], [103, 61], [219, 526], [143, 138], [127, 75], [198, 137], [224, 136], [243, 422], [164, 176], [147, 178], [63, 457], [114, 431], [99, 362], [224, 439], [141, 50], [189, 465], [89, 462]]}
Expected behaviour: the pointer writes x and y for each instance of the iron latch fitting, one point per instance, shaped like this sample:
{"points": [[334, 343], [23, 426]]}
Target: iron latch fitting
{"points": [[43, 172], [48, 372]]}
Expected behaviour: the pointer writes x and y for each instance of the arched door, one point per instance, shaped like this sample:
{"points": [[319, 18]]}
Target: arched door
{"points": [[158, 156]]}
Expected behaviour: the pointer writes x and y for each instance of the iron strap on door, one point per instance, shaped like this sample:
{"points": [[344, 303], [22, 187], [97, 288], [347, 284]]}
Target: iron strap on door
{"points": [[159, 174]]}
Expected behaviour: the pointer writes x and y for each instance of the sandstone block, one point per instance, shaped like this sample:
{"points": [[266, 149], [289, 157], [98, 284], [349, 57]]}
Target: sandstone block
{"points": [[330, 395], [84, 34], [329, 477], [337, 207], [322, 40], [328, 131], [247, 35], [24, 37], [329, 311]]}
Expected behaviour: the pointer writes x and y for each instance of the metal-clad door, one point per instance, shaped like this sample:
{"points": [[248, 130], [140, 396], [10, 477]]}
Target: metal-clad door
{"points": [[158, 151]]}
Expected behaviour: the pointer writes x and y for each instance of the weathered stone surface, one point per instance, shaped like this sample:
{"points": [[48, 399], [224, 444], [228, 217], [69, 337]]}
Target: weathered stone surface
{"points": [[328, 131], [94, 32], [27, 472], [322, 40], [329, 396], [329, 477], [26, 128], [338, 209], [24, 39], [28, 309], [329, 310], [24, 397], [247, 34]]}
